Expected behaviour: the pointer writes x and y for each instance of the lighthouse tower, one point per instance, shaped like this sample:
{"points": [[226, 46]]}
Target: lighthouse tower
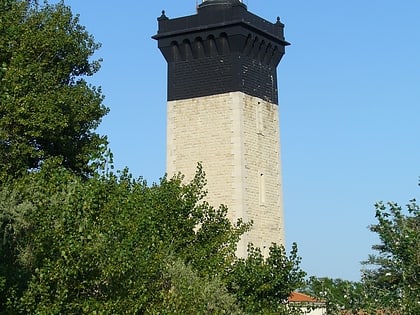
{"points": [[223, 111]]}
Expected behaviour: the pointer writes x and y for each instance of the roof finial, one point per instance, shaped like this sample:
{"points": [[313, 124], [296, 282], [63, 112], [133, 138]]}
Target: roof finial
{"points": [[163, 16]]}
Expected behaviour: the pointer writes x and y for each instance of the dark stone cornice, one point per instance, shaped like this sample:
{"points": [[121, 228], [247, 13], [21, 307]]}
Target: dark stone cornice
{"points": [[222, 31]]}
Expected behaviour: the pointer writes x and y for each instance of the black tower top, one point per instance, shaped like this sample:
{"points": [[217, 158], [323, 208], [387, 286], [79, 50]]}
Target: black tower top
{"points": [[223, 48]]}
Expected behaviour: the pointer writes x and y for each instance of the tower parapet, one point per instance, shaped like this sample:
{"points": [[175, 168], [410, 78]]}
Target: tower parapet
{"points": [[229, 48]]}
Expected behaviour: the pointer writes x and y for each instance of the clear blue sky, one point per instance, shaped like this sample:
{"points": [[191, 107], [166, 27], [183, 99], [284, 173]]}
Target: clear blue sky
{"points": [[349, 104]]}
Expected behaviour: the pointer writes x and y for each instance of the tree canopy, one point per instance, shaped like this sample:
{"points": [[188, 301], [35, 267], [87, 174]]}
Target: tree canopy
{"points": [[338, 294], [47, 109], [111, 245], [392, 275]]}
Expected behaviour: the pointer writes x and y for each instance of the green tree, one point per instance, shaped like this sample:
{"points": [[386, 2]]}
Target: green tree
{"points": [[47, 109], [338, 294], [109, 244], [262, 285], [392, 275], [13, 221], [187, 293]]}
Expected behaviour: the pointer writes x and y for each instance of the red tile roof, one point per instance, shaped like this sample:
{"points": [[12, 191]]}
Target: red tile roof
{"points": [[300, 297]]}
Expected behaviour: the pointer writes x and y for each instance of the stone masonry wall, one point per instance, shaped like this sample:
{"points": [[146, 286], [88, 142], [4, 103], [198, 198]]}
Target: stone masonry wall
{"points": [[236, 138]]}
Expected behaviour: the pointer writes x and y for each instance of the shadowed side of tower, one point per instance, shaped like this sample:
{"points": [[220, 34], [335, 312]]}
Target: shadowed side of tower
{"points": [[223, 112]]}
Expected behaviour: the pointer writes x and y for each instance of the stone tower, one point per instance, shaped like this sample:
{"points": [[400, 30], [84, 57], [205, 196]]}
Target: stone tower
{"points": [[223, 110]]}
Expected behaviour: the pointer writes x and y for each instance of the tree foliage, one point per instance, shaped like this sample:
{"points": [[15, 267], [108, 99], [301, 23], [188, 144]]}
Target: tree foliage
{"points": [[47, 109], [111, 245], [187, 293], [263, 285], [339, 295], [392, 275], [104, 244]]}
